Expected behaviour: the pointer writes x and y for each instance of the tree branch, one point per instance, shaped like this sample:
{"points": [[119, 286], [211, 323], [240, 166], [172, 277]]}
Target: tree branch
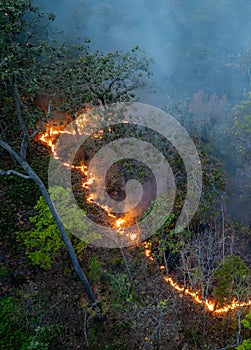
{"points": [[10, 172], [24, 143], [112, 82]]}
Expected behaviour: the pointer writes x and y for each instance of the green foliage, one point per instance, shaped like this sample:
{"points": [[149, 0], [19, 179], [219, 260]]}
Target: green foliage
{"points": [[81, 76], [122, 290], [12, 334], [232, 279], [61, 75], [42, 337], [14, 330], [43, 243], [95, 269], [246, 344]]}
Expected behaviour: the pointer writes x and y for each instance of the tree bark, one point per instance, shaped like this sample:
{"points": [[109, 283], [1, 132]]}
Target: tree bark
{"points": [[33, 176]]}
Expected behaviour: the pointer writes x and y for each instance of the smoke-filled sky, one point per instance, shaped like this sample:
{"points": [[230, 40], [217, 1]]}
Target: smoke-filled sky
{"points": [[196, 44]]}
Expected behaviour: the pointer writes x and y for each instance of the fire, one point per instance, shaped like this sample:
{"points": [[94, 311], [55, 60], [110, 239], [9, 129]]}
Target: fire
{"points": [[45, 138], [133, 236], [90, 181], [119, 222], [81, 168], [98, 134], [148, 252], [90, 198], [49, 138], [208, 304]]}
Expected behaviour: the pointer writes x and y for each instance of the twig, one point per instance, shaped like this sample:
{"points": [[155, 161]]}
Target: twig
{"points": [[41, 123], [10, 172], [228, 347], [86, 320], [126, 264]]}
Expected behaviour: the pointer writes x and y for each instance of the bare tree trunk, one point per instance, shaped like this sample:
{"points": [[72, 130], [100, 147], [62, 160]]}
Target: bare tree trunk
{"points": [[33, 176], [239, 327], [223, 224]]}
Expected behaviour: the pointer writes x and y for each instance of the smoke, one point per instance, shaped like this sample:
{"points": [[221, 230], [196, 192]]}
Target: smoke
{"points": [[197, 45]]}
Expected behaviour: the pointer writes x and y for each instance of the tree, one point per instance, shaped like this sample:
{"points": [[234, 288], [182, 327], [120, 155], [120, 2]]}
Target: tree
{"points": [[232, 279], [42, 242], [33, 68]]}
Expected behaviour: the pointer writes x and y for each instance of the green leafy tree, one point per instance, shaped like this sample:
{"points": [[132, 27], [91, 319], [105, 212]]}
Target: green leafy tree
{"points": [[43, 243], [77, 76], [232, 279]]}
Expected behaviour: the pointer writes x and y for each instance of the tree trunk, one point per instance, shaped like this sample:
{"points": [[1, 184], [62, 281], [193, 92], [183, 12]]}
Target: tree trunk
{"points": [[33, 176]]}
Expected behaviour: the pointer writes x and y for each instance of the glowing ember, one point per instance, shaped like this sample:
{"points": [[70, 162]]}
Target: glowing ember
{"points": [[108, 211], [81, 168], [133, 236], [148, 252], [119, 222], [98, 134], [209, 304], [90, 198], [90, 181]]}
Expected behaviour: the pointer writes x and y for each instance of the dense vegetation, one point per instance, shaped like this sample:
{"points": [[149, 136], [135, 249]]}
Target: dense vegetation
{"points": [[125, 302]]}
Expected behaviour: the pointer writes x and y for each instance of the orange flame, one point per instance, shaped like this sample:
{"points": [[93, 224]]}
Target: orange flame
{"points": [[119, 222], [49, 138], [207, 303], [90, 181], [90, 198]]}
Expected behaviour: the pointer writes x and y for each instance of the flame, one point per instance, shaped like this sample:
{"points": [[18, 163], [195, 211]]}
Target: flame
{"points": [[98, 134], [90, 198], [210, 305], [49, 138], [81, 168], [89, 182], [45, 138], [148, 252], [207, 303], [119, 222]]}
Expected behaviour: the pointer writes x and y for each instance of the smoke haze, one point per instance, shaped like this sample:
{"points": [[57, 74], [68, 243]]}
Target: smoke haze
{"points": [[196, 45]]}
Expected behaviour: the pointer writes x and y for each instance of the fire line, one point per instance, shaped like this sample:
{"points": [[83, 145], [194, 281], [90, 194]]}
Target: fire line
{"points": [[49, 138]]}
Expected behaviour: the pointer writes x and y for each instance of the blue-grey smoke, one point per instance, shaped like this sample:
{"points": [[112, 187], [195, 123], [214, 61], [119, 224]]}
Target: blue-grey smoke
{"points": [[197, 45]]}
